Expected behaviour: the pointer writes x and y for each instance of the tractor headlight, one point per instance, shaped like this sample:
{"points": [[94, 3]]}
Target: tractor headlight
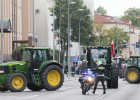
{"points": [[89, 79], [1, 71]]}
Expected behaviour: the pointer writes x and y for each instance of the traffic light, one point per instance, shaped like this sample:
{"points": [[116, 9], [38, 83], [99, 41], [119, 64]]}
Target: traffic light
{"points": [[137, 44], [124, 44]]}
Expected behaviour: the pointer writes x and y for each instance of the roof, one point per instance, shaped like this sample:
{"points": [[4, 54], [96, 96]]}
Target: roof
{"points": [[107, 19], [134, 56], [36, 48]]}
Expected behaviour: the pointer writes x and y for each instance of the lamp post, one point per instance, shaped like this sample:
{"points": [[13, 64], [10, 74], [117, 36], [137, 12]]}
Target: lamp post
{"points": [[53, 32], [33, 25], [70, 24], [1, 31], [60, 25], [79, 34]]}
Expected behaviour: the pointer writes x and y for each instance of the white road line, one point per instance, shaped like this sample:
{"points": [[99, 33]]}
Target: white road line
{"points": [[102, 95], [64, 88], [29, 97]]}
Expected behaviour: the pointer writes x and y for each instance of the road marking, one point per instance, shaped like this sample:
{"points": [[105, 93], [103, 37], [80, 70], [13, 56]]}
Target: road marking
{"points": [[102, 95], [29, 97], [64, 88]]}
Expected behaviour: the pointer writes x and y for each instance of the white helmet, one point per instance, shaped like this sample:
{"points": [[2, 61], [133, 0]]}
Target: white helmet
{"points": [[98, 63]]}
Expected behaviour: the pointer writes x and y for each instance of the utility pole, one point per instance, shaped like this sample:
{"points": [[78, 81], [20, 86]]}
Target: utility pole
{"points": [[1, 31], [33, 25], [53, 32], [69, 67]]}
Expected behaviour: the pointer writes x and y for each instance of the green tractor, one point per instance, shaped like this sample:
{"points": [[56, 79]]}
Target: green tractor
{"points": [[104, 55], [36, 70], [132, 74]]}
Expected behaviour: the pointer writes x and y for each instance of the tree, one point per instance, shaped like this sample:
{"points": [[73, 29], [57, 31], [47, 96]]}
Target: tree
{"points": [[86, 23], [132, 14], [107, 36], [101, 10]]}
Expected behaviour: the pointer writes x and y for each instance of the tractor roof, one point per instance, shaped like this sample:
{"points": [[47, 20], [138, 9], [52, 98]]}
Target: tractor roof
{"points": [[134, 56], [37, 48]]}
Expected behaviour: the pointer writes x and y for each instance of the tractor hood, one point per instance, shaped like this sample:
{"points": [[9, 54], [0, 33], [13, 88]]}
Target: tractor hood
{"points": [[13, 63]]}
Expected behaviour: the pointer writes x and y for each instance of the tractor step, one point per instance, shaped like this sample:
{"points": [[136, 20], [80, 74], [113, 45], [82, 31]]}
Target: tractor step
{"points": [[37, 79]]}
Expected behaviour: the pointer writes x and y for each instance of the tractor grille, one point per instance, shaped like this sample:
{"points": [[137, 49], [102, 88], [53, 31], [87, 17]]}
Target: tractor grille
{"points": [[5, 69]]}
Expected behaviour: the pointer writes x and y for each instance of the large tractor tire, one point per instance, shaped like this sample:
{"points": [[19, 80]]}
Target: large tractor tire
{"points": [[114, 78], [34, 87], [108, 84], [121, 73], [132, 75], [3, 88], [16, 82], [52, 78]]}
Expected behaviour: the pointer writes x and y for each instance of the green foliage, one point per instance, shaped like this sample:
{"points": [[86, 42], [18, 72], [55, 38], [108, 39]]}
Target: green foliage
{"points": [[57, 55], [86, 24], [107, 36], [16, 51], [101, 10], [132, 14]]}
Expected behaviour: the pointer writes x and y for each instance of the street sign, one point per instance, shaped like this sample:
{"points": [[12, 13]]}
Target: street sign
{"points": [[75, 59]]}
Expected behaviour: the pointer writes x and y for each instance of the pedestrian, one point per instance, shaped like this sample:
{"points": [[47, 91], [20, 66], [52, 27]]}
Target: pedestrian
{"points": [[99, 77]]}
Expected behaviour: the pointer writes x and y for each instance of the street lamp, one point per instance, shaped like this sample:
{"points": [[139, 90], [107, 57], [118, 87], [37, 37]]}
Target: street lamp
{"points": [[70, 23], [79, 34], [60, 25]]}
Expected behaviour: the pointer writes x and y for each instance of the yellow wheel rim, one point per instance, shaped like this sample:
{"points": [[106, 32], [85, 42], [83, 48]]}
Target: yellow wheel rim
{"points": [[132, 75], [53, 78], [17, 82]]}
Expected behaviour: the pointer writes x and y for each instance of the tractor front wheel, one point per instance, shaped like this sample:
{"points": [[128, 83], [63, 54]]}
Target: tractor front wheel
{"points": [[132, 75], [52, 78], [16, 82], [34, 87]]}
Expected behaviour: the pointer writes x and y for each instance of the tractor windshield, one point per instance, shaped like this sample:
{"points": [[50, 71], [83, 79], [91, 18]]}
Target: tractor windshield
{"points": [[99, 54], [26, 55]]}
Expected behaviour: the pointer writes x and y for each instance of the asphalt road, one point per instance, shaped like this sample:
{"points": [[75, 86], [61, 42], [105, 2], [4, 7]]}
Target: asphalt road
{"points": [[71, 91]]}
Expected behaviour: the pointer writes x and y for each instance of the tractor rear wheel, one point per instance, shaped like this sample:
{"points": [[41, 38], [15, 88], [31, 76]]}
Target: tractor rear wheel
{"points": [[16, 82], [52, 78], [121, 73], [114, 78], [3, 88], [108, 83], [132, 75], [34, 87]]}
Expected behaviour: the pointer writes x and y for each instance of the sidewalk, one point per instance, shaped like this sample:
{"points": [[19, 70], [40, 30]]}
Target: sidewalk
{"points": [[76, 77]]}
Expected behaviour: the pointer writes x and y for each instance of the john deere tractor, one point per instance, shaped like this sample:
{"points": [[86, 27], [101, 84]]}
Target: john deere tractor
{"points": [[132, 74], [36, 71], [104, 55]]}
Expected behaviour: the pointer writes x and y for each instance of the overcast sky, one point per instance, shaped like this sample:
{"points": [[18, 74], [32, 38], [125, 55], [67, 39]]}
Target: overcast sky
{"points": [[116, 7]]}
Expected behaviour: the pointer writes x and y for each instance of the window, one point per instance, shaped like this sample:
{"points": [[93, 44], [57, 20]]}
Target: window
{"points": [[26, 56]]}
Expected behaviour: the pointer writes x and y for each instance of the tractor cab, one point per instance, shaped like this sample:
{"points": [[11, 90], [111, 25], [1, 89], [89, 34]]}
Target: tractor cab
{"points": [[34, 57], [102, 54], [135, 61]]}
